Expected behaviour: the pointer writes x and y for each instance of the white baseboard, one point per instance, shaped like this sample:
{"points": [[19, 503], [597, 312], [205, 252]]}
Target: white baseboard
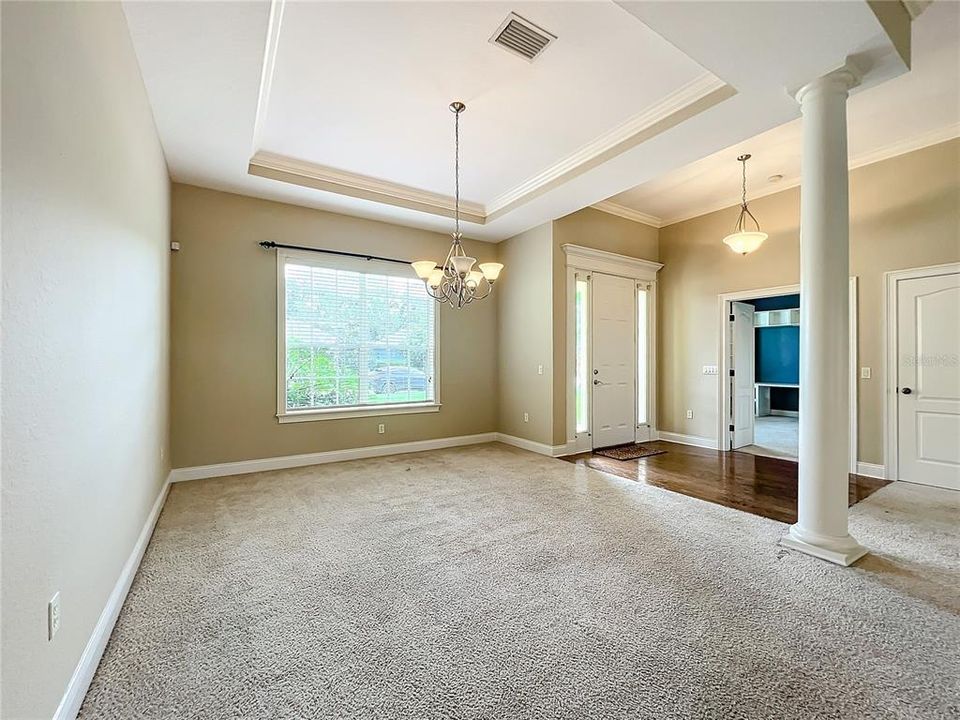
{"points": [[532, 446], [90, 659], [786, 413], [243, 467], [871, 470], [694, 440]]}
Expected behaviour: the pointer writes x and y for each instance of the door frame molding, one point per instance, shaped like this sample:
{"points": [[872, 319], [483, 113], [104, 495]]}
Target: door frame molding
{"points": [[586, 259], [723, 389], [891, 441]]}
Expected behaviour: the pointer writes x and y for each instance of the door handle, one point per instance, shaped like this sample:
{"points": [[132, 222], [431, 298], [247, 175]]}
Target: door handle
{"points": [[906, 391], [597, 382]]}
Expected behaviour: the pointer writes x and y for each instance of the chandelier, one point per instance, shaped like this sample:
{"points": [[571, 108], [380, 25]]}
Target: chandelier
{"points": [[455, 281], [741, 240]]}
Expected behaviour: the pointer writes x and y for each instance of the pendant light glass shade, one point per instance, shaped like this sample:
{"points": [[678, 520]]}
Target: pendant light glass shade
{"points": [[423, 268], [745, 242], [454, 281], [742, 240]]}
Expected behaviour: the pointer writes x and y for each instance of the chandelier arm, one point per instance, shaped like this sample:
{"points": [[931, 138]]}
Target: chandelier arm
{"points": [[486, 294]]}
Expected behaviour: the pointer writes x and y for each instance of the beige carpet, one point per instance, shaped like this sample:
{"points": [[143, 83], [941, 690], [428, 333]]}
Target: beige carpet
{"points": [[489, 582]]}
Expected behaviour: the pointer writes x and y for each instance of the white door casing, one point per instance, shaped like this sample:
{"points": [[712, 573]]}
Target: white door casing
{"points": [[743, 373], [614, 351], [928, 380]]}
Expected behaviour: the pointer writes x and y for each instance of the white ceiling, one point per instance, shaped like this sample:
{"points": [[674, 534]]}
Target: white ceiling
{"points": [[915, 110], [365, 86], [351, 98]]}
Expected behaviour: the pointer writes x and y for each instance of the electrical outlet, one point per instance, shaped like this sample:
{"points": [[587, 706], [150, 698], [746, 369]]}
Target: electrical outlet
{"points": [[865, 373], [381, 428], [689, 414], [539, 369], [526, 417], [53, 616]]}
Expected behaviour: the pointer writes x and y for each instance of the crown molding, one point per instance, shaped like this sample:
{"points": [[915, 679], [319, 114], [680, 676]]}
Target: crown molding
{"points": [[686, 101], [612, 208], [902, 147], [887, 152], [701, 93], [321, 177]]}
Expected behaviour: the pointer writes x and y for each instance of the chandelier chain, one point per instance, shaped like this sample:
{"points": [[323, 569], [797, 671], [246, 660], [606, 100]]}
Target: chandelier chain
{"points": [[743, 201], [456, 170]]}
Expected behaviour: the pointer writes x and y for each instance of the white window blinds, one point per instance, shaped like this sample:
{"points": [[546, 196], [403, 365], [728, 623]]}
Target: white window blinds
{"points": [[356, 334]]}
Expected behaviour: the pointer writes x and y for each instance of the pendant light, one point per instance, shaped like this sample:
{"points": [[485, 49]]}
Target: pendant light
{"points": [[455, 282], [741, 240]]}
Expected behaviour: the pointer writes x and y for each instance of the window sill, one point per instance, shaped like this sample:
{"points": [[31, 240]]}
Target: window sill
{"points": [[296, 416]]}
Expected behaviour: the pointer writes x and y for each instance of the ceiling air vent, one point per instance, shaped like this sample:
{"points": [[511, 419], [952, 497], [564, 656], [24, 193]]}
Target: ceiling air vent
{"points": [[522, 37]]}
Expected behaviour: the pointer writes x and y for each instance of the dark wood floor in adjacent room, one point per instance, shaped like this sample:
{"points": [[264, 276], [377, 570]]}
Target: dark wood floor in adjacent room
{"points": [[759, 485]]}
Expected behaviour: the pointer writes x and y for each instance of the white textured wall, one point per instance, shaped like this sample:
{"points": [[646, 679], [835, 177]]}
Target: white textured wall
{"points": [[85, 327]]}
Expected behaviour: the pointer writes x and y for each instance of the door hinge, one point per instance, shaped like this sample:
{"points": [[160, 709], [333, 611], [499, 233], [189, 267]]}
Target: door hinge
{"points": [[732, 372], [732, 318], [731, 428]]}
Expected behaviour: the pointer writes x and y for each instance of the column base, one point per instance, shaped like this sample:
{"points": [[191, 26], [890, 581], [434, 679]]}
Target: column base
{"points": [[839, 550]]}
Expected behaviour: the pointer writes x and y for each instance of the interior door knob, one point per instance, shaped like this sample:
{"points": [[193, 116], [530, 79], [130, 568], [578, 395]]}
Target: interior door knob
{"points": [[906, 391], [597, 382]]}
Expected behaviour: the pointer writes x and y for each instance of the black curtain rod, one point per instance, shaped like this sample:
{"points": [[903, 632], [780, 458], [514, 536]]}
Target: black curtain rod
{"points": [[269, 244]]}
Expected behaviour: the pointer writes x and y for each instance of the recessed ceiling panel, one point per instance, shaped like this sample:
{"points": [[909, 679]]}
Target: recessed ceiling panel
{"points": [[363, 87]]}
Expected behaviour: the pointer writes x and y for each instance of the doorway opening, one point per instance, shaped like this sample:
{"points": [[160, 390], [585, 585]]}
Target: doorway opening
{"points": [[753, 400], [765, 382]]}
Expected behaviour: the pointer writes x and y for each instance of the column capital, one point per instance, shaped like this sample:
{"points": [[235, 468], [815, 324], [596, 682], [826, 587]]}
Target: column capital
{"points": [[839, 81]]}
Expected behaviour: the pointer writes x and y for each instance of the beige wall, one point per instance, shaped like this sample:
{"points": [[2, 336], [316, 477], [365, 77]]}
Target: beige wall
{"points": [[594, 229], [85, 328], [224, 333], [904, 212], [525, 335]]}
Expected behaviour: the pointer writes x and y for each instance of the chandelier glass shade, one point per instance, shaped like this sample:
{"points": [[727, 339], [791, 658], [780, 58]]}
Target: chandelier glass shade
{"points": [[455, 281], [742, 240]]}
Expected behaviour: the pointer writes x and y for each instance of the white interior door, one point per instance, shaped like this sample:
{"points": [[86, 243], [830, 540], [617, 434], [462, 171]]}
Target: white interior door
{"points": [[614, 358], [928, 380], [742, 381]]}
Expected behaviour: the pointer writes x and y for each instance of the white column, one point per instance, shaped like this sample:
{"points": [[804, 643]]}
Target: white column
{"points": [[821, 528]]}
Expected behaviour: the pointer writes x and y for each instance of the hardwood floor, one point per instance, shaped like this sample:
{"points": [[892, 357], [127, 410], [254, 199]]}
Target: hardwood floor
{"points": [[759, 485]]}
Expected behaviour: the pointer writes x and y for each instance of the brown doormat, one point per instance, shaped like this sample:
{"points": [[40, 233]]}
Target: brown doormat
{"points": [[628, 452]]}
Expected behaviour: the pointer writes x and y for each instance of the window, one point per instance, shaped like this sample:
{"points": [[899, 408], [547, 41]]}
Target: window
{"points": [[642, 354], [356, 337], [582, 373]]}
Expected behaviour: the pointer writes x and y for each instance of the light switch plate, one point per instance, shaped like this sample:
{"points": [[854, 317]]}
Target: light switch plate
{"points": [[53, 616], [710, 370], [865, 373]]}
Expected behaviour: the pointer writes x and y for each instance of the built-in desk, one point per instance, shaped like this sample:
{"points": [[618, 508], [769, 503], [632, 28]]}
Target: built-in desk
{"points": [[761, 396]]}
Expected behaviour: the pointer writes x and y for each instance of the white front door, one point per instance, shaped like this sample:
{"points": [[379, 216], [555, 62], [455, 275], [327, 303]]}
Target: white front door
{"points": [[742, 380], [614, 356], [928, 380]]}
